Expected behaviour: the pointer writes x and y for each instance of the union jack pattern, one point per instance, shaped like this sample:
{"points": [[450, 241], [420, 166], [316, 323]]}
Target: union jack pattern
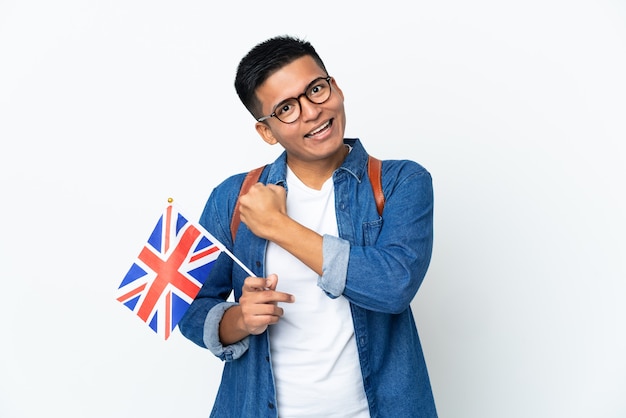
{"points": [[169, 272]]}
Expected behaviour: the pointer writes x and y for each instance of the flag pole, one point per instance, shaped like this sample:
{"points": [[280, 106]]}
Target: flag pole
{"points": [[221, 246], [236, 260]]}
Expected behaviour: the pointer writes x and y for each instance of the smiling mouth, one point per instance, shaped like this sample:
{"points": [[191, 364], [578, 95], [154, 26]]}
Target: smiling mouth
{"points": [[322, 128]]}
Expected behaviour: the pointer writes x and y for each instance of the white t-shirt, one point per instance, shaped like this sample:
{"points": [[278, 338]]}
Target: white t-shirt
{"points": [[313, 349]]}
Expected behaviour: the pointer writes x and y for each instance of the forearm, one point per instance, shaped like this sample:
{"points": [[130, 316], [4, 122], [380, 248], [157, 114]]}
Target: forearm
{"points": [[231, 329], [300, 241], [263, 210]]}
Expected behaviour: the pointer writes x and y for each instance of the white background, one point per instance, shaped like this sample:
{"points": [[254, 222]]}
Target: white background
{"points": [[518, 110]]}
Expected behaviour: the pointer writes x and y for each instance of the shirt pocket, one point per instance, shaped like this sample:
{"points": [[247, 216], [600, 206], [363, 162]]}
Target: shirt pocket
{"points": [[371, 231]]}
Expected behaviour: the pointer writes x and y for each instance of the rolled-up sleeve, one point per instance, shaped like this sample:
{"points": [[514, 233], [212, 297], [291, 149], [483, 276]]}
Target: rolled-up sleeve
{"points": [[212, 335], [336, 253]]}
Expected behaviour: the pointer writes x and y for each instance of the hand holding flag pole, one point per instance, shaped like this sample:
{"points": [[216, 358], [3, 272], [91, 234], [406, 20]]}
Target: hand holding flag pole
{"points": [[170, 270]]}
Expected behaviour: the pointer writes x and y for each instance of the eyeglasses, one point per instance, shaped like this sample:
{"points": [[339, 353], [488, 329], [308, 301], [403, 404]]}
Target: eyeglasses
{"points": [[288, 111]]}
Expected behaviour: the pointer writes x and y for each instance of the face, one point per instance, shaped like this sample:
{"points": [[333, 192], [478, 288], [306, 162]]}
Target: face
{"points": [[317, 135]]}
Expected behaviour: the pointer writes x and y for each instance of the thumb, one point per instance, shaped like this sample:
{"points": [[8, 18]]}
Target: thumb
{"points": [[271, 281]]}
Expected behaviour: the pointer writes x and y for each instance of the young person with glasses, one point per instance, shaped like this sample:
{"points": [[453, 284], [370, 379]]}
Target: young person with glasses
{"points": [[326, 328]]}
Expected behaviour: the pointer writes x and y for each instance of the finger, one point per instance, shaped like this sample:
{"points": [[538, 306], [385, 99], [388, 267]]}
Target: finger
{"points": [[264, 297], [265, 310], [271, 282], [253, 284], [277, 189], [259, 324], [258, 317], [275, 297]]}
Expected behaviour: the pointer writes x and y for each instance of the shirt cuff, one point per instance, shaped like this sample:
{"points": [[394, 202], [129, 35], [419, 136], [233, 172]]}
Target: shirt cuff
{"points": [[212, 335], [336, 253]]}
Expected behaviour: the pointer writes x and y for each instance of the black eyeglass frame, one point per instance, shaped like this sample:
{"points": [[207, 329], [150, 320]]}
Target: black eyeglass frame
{"points": [[297, 99]]}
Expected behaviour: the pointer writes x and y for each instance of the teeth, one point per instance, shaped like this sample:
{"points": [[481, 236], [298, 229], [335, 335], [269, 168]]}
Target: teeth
{"points": [[321, 128]]}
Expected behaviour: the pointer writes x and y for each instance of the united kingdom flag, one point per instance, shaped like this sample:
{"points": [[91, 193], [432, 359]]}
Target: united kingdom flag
{"points": [[169, 272]]}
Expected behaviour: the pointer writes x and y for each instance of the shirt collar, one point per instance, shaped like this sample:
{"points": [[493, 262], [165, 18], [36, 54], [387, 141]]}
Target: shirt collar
{"points": [[354, 164]]}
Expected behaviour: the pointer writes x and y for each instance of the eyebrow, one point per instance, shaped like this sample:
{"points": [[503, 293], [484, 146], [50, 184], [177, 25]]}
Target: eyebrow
{"points": [[293, 97]]}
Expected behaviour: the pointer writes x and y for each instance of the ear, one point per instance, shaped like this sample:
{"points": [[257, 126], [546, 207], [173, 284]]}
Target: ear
{"points": [[266, 133], [336, 88]]}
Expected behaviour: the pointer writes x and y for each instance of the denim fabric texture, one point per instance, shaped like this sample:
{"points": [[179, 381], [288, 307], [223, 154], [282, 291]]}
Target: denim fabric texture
{"points": [[377, 263]]}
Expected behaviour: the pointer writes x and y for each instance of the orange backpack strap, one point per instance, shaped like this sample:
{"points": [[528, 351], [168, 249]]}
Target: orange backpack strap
{"points": [[251, 178], [374, 170]]}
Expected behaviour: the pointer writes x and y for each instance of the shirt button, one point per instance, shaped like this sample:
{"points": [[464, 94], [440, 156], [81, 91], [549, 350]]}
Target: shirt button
{"points": [[270, 405], [258, 263]]}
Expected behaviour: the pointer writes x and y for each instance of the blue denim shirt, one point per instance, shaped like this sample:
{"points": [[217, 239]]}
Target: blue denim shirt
{"points": [[377, 263]]}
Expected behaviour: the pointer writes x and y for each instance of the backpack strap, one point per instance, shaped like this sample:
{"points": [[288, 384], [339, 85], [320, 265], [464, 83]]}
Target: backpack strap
{"points": [[251, 178], [374, 170]]}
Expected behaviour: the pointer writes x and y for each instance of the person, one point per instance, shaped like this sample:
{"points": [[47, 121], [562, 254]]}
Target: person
{"points": [[325, 329]]}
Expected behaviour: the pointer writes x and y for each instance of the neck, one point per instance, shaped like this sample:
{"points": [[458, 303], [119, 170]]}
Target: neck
{"points": [[315, 173]]}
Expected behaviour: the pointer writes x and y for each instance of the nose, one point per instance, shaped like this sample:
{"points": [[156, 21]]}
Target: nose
{"points": [[308, 109]]}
